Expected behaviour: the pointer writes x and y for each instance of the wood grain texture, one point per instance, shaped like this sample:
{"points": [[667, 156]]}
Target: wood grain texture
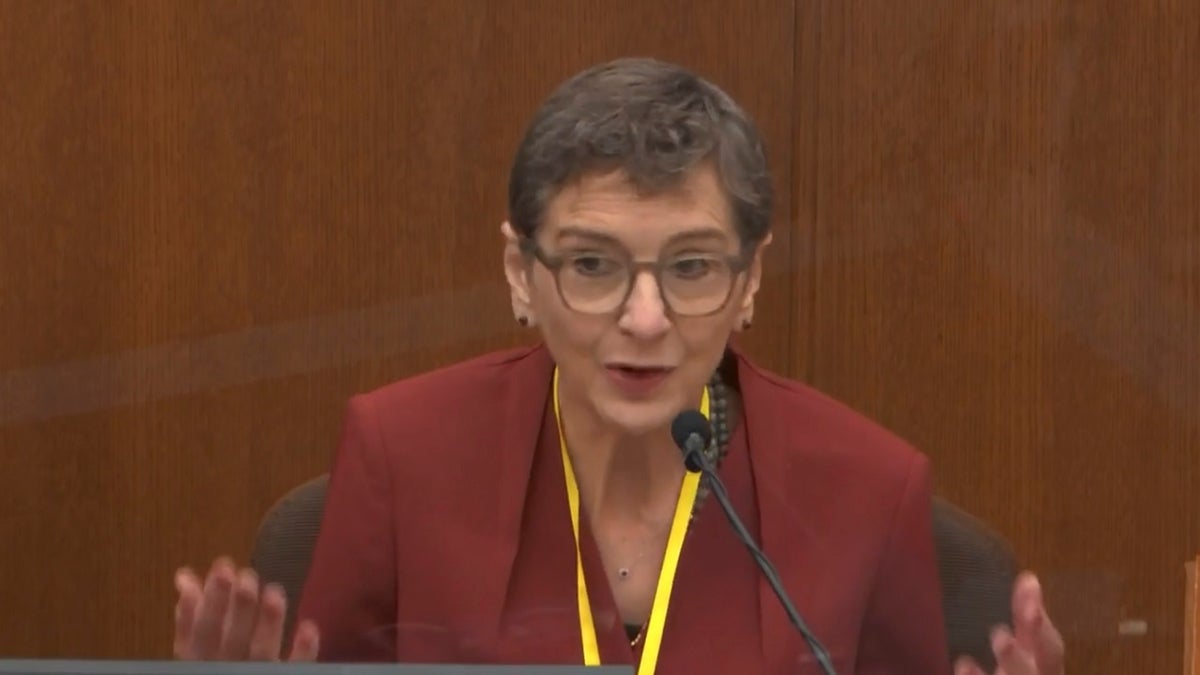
{"points": [[1007, 273], [806, 131], [221, 219], [1191, 618]]}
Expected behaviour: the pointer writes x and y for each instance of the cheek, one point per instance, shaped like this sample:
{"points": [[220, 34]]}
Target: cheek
{"points": [[708, 335], [705, 342]]}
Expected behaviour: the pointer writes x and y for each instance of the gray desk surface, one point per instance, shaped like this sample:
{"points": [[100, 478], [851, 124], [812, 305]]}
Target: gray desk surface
{"points": [[103, 667]]}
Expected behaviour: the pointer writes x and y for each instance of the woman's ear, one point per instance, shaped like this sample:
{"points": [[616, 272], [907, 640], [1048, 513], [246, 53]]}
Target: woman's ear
{"points": [[516, 271], [753, 282]]}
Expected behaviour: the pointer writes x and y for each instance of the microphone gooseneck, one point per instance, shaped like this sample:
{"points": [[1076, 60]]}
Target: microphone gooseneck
{"points": [[692, 434]]}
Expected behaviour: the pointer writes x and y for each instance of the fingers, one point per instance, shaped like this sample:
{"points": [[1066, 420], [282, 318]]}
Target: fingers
{"points": [[243, 615], [966, 666], [228, 618], [267, 639], [208, 631], [1034, 647], [189, 589], [306, 644], [1011, 657], [1027, 610], [1035, 633]]}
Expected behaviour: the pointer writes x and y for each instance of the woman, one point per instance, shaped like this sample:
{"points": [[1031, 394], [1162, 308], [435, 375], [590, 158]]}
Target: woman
{"points": [[529, 506]]}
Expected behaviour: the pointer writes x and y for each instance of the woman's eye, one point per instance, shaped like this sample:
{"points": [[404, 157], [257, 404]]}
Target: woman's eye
{"points": [[593, 265], [693, 268]]}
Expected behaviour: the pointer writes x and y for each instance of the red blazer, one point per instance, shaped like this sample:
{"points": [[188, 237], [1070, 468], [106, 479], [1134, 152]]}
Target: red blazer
{"points": [[446, 537]]}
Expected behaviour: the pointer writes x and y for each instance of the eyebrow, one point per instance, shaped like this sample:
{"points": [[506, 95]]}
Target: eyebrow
{"points": [[702, 232]]}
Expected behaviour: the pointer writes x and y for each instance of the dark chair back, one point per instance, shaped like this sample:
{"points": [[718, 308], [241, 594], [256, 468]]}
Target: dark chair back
{"points": [[286, 538], [977, 569]]}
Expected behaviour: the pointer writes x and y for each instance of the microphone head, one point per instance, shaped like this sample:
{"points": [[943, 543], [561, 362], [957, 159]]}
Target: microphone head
{"points": [[692, 433]]}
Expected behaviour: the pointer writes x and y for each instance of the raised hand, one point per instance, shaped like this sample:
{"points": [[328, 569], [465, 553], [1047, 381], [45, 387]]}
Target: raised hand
{"points": [[1034, 647], [227, 618]]}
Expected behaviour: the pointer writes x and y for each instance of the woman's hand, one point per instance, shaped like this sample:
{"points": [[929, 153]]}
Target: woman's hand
{"points": [[1033, 648], [228, 618]]}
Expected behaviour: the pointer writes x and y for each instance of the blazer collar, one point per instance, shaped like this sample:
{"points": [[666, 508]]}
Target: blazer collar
{"points": [[775, 446], [775, 456], [524, 394]]}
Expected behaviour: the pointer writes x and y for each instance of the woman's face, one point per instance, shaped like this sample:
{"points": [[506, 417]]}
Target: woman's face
{"points": [[636, 363]]}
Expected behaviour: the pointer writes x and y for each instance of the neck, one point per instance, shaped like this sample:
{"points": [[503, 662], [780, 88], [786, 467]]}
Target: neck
{"points": [[621, 477]]}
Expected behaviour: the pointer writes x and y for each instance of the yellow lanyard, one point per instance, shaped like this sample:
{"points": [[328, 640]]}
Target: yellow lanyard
{"points": [[666, 577]]}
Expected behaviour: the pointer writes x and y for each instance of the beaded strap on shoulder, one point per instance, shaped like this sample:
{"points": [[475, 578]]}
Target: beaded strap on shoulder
{"points": [[719, 446]]}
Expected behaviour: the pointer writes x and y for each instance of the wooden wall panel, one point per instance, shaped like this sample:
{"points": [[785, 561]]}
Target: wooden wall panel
{"points": [[1007, 272], [221, 219]]}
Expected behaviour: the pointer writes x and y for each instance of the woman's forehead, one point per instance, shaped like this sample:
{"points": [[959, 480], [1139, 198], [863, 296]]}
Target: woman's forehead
{"points": [[610, 207]]}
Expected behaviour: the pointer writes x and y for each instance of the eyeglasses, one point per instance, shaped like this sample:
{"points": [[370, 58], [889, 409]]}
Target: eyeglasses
{"points": [[599, 282]]}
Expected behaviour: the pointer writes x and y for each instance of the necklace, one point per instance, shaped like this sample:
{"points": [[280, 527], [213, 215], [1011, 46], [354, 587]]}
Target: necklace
{"points": [[624, 572], [717, 448]]}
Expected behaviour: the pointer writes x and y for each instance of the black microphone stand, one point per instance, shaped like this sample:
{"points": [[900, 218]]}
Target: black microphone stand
{"points": [[696, 460]]}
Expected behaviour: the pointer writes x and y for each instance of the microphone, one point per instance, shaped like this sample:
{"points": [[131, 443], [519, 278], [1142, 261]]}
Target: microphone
{"points": [[692, 433]]}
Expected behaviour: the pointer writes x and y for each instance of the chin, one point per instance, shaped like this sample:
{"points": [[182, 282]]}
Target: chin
{"points": [[638, 418]]}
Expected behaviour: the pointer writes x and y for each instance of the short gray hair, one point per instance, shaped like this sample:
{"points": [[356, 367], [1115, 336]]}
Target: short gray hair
{"points": [[653, 121]]}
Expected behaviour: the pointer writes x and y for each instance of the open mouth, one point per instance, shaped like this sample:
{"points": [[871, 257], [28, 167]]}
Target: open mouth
{"points": [[637, 381], [639, 371]]}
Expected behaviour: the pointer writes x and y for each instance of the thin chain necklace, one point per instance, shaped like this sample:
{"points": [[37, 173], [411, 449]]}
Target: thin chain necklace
{"points": [[717, 448], [715, 452]]}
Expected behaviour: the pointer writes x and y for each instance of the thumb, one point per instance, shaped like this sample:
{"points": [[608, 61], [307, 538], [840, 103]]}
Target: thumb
{"points": [[965, 665], [306, 644]]}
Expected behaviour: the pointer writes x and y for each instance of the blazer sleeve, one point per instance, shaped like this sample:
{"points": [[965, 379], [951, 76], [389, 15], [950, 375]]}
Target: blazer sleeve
{"points": [[904, 631], [350, 592]]}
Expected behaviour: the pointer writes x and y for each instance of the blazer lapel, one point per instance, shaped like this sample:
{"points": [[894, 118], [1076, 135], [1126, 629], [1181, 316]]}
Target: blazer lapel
{"points": [[775, 456], [523, 396]]}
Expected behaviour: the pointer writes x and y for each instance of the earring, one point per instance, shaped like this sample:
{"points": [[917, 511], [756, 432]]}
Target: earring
{"points": [[523, 320], [745, 324]]}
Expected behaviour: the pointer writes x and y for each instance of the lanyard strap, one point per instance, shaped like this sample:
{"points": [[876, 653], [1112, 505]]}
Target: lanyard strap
{"points": [[666, 577]]}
